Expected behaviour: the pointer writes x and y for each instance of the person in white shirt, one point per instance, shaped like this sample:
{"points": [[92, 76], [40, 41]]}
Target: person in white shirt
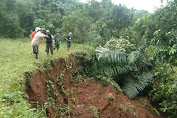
{"points": [[36, 41]]}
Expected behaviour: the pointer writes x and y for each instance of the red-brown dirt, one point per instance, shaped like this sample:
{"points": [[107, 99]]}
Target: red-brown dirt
{"points": [[88, 98], [109, 102], [37, 82]]}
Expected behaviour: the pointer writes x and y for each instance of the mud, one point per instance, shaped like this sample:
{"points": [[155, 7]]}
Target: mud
{"points": [[57, 85]]}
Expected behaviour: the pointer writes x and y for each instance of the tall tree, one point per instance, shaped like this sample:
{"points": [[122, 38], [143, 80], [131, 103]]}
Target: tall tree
{"points": [[10, 23]]}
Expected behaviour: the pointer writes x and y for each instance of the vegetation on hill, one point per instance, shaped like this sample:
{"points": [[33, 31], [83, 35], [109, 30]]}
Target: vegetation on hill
{"points": [[14, 63], [134, 51]]}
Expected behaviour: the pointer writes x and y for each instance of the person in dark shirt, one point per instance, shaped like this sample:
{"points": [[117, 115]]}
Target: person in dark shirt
{"points": [[49, 45], [57, 41], [68, 39]]}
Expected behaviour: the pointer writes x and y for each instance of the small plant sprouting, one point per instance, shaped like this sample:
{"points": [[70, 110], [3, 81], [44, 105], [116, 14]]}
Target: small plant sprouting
{"points": [[110, 97], [95, 111]]}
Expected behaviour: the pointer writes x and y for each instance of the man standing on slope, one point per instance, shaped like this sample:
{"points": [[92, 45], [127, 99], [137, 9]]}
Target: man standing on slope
{"points": [[33, 34], [68, 38], [49, 45], [57, 41], [36, 41]]}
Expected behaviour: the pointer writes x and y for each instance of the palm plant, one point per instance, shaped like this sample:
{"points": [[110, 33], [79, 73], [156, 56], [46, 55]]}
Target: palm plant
{"points": [[113, 62], [132, 66], [133, 85]]}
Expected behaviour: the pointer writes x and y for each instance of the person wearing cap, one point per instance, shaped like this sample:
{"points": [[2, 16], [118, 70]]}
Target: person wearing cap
{"points": [[36, 41], [33, 33], [68, 39], [49, 45], [57, 41]]}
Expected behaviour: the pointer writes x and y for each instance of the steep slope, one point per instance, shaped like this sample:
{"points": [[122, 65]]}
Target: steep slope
{"points": [[65, 93]]}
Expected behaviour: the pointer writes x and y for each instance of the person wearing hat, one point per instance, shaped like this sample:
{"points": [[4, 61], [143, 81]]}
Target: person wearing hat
{"points": [[68, 39], [49, 45], [57, 41], [36, 41], [33, 33]]}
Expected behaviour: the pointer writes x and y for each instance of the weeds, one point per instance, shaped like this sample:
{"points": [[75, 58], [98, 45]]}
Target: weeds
{"points": [[130, 107], [64, 111], [110, 97], [95, 111], [145, 104]]}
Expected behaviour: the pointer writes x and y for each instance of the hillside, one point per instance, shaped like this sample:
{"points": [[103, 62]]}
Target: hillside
{"points": [[16, 58], [66, 94], [117, 54], [81, 96]]}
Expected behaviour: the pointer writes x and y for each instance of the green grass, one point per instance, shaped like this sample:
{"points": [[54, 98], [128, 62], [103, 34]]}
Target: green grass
{"points": [[16, 58]]}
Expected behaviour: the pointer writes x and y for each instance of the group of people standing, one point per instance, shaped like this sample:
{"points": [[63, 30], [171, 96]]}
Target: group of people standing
{"points": [[38, 34]]}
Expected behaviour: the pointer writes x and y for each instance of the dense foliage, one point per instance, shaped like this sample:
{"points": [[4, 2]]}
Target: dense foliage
{"points": [[120, 60], [130, 68], [114, 59], [160, 31], [134, 48], [94, 22]]}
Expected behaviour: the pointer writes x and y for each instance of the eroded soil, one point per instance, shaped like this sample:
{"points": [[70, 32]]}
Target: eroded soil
{"points": [[68, 94]]}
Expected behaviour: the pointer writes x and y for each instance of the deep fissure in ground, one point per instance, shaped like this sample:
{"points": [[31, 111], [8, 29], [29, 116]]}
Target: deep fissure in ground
{"points": [[60, 89]]}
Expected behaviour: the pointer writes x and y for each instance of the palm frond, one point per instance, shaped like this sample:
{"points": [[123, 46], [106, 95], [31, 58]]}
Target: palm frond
{"points": [[112, 56], [138, 54], [133, 57], [116, 85], [141, 44], [110, 81], [115, 70], [114, 63], [132, 86]]}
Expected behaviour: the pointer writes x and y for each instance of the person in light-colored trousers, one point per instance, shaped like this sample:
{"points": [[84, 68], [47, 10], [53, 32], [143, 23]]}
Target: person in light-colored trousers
{"points": [[36, 41]]}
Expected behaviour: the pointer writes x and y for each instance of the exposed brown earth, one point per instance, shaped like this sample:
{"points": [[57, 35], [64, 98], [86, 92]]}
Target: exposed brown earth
{"points": [[84, 99]]}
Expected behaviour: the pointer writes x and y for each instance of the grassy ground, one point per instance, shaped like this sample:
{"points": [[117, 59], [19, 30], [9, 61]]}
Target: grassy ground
{"points": [[16, 58]]}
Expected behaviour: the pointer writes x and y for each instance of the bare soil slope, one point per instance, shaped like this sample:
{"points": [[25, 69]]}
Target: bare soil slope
{"points": [[70, 95]]}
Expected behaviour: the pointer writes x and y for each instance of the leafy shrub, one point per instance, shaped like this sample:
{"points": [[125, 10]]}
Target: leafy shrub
{"points": [[120, 44], [90, 67], [132, 86], [166, 48], [169, 105], [165, 89], [94, 38], [164, 83], [128, 69]]}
